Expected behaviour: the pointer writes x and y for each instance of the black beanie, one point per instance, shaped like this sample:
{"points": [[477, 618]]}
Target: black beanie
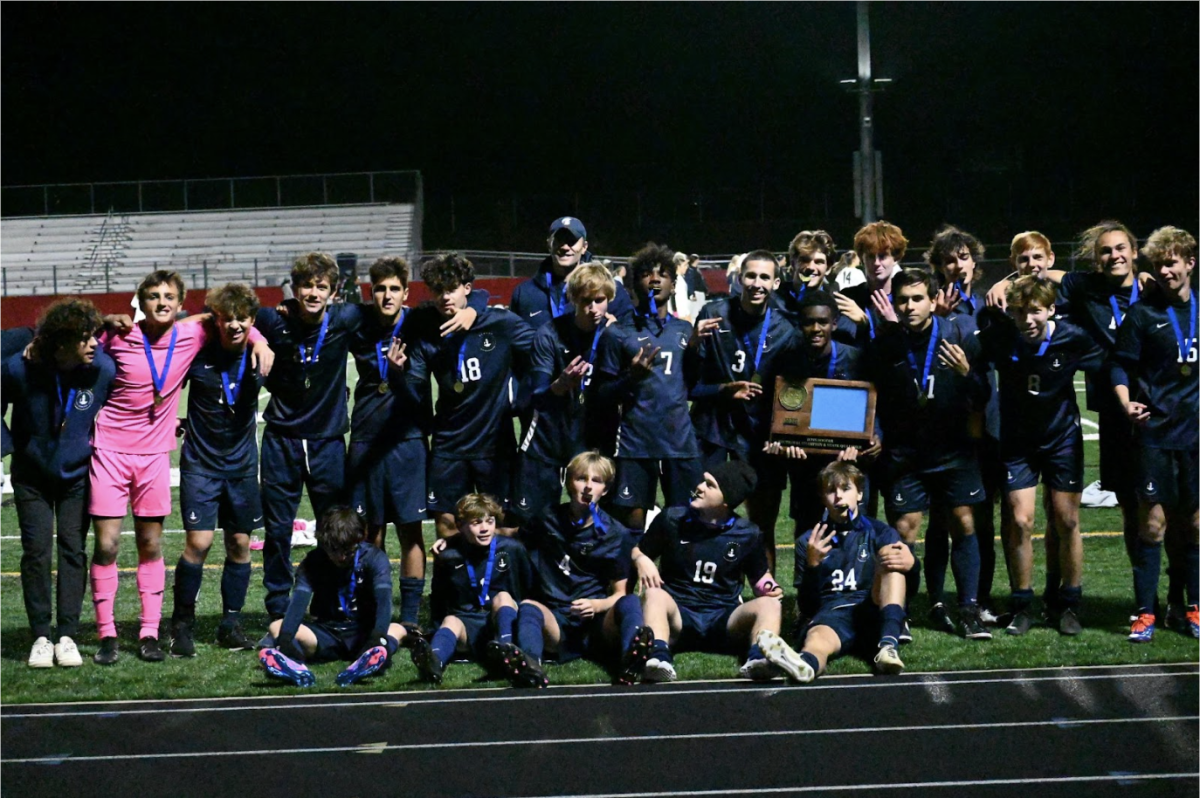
{"points": [[736, 480]]}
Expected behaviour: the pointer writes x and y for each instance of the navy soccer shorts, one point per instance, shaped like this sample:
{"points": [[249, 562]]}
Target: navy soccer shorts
{"points": [[449, 480], [1168, 477], [536, 485], [705, 630], [337, 641], [856, 625], [638, 478], [1059, 463], [232, 504], [388, 486], [908, 488]]}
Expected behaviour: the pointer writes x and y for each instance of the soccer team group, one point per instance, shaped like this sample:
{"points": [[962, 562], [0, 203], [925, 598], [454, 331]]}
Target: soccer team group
{"points": [[617, 397]]}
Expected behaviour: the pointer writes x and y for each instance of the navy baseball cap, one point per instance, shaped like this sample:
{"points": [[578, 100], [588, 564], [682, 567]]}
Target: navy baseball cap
{"points": [[568, 223]]}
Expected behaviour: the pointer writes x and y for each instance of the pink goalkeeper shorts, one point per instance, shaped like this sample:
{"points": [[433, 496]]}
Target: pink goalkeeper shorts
{"points": [[119, 479]]}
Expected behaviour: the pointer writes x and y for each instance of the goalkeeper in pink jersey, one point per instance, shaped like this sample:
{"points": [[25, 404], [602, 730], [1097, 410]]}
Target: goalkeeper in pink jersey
{"points": [[133, 440]]}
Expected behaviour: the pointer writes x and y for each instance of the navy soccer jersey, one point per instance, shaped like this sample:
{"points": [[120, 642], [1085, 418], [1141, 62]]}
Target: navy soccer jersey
{"points": [[358, 593], [1090, 301], [733, 354], [558, 427], [393, 414], [846, 574], [459, 589], [219, 439], [473, 370], [1161, 371], [1037, 383], [863, 334], [53, 415], [544, 297], [654, 409], [703, 567], [308, 387], [928, 420], [571, 562]]}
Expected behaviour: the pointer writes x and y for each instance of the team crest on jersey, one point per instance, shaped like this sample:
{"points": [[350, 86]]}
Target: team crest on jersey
{"points": [[1056, 364], [862, 552], [1011, 478], [731, 552], [84, 399], [1150, 488], [626, 492], [359, 509], [502, 561], [193, 517], [898, 498], [431, 497], [487, 342], [683, 341], [586, 549], [523, 503]]}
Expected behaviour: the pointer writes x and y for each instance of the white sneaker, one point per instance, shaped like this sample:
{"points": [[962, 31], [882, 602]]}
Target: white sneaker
{"points": [[658, 670], [783, 656], [66, 654], [42, 654], [987, 617], [1094, 496], [759, 670], [888, 660]]}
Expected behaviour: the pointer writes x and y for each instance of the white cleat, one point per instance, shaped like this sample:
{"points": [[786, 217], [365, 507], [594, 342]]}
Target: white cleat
{"points": [[784, 657], [658, 670]]}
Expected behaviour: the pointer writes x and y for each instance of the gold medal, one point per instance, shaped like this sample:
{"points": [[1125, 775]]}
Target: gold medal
{"points": [[756, 379], [581, 397], [459, 387], [384, 388], [307, 382], [922, 400], [158, 399], [1185, 370]]}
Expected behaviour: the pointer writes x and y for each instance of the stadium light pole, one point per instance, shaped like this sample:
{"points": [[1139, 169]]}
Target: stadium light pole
{"points": [[868, 164]]}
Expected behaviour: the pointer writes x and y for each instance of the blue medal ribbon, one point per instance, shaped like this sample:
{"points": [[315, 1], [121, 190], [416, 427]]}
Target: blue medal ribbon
{"points": [[1184, 348], [346, 594], [601, 529], [305, 359], [67, 403], [965, 297], [871, 325], [912, 362], [592, 357], [380, 356], [232, 390], [556, 308], [1116, 309], [461, 375], [482, 586], [762, 340], [832, 361], [1041, 347], [160, 381]]}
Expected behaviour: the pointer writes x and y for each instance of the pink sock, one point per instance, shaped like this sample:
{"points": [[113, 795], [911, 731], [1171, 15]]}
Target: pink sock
{"points": [[151, 580], [104, 590]]}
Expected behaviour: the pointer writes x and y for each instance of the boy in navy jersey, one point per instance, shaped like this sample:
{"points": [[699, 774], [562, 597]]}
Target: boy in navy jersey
{"points": [[693, 599], [738, 345], [387, 430], [1037, 358], [478, 578], [643, 370], [563, 422], [218, 480], [348, 582], [1156, 378], [922, 369], [580, 605], [55, 397], [851, 584], [880, 247], [473, 446]]}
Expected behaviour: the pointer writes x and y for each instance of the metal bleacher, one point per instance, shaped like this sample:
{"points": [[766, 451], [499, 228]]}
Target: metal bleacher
{"points": [[101, 253]]}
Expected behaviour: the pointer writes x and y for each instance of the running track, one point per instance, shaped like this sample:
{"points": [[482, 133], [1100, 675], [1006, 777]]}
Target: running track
{"points": [[1041, 732]]}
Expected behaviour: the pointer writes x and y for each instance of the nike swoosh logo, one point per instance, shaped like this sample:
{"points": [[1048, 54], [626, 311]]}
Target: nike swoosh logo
{"points": [[460, 565], [207, 365], [533, 313], [256, 520], [684, 542], [647, 338], [977, 490], [1160, 326]]}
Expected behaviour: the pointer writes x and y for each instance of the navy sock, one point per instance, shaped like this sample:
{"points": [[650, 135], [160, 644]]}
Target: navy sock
{"points": [[661, 651], [937, 556], [985, 533], [892, 622], [628, 611], [912, 582], [1193, 574], [964, 559], [392, 645], [1069, 597], [1147, 560], [188, 577], [1021, 599], [755, 653], [529, 631], [235, 580], [506, 617], [811, 660], [444, 642], [411, 589]]}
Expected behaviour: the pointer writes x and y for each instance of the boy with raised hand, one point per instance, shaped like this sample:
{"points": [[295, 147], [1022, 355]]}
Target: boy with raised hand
{"points": [[580, 604], [55, 397], [387, 430], [922, 370], [473, 447], [1040, 433], [562, 422], [348, 584], [739, 345], [134, 435], [478, 578], [643, 370], [851, 584], [218, 480], [693, 598], [880, 247], [1156, 378]]}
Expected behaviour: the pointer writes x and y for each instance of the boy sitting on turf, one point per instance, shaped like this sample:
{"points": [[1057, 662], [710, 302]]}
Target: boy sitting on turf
{"points": [[478, 576], [850, 579], [695, 602], [349, 583], [580, 556]]}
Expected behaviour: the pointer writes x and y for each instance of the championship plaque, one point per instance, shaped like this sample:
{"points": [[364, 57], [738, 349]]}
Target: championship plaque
{"points": [[823, 416]]}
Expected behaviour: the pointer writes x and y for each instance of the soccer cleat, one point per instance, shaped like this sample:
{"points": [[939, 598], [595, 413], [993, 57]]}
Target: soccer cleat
{"points": [[412, 632], [658, 670], [1193, 620], [109, 653], [279, 665], [370, 661], [759, 669], [428, 665], [266, 641], [1142, 628], [940, 617], [183, 641], [1176, 618], [150, 651], [66, 653], [42, 653], [905, 634], [521, 670], [888, 661], [233, 637], [784, 657], [1020, 623], [1068, 623], [972, 627], [633, 661]]}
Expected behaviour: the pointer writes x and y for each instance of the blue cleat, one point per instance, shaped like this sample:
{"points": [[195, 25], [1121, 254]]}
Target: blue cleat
{"points": [[370, 661], [280, 666]]}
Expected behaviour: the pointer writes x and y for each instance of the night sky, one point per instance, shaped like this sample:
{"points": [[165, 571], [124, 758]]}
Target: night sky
{"points": [[1001, 117]]}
